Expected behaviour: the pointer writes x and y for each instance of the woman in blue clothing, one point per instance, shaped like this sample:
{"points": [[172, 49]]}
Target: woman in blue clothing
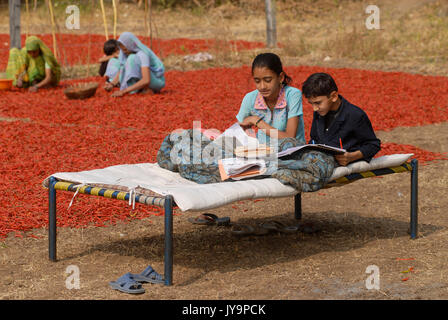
{"points": [[274, 107], [140, 68]]}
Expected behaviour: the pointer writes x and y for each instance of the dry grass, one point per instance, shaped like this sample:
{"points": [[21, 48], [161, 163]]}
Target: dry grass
{"points": [[413, 35]]}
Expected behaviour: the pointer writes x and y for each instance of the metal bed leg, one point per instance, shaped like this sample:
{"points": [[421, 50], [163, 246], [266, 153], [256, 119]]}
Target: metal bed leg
{"points": [[414, 199], [52, 219], [169, 240], [298, 206]]}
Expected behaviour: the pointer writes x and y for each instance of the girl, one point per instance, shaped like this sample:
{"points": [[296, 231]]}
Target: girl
{"points": [[110, 65], [34, 66], [274, 105], [140, 68]]}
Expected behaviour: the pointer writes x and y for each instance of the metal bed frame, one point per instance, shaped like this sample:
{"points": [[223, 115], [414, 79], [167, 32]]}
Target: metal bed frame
{"points": [[167, 202]]}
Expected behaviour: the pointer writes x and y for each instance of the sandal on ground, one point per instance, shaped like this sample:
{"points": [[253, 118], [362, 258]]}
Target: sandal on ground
{"points": [[210, 219], [127, 285], [242, 229], [246, 230], [274, 225], [148, 275], [308, 228]]}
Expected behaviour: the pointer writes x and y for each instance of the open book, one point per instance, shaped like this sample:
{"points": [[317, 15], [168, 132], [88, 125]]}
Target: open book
{"points": [[238, 168], [261, 151], [242, 138], [319, 147], [247, 146]]}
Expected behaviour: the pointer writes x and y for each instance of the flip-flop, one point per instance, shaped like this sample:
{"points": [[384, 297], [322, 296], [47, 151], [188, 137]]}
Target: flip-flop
{"points": [[148, 275], [242, 229], [210, 219], [245, 230], [127, 285], [308, 228], [274, 225]]}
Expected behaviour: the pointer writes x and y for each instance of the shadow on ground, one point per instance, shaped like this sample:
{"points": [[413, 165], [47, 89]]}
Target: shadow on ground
{"points": [[212, 248]]}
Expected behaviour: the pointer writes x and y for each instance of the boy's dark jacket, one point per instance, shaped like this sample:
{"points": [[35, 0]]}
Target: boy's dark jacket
{"points": [[352, 126]]}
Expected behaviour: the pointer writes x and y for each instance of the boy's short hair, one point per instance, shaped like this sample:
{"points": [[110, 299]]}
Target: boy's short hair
{"points": [[319, 84]]}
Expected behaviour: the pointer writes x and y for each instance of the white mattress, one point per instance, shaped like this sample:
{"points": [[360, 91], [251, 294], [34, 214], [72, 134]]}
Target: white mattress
{"points": [[189, 195]]}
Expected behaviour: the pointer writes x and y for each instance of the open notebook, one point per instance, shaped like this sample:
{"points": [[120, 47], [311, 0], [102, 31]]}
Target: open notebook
{"points": [[239, 168], [319, 147]]}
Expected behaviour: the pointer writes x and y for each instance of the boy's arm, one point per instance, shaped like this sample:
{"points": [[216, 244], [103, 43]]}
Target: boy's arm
{"points": [[369, 143]]}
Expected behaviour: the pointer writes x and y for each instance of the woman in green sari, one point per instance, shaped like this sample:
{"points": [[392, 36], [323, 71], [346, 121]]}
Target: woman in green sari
{"points": [[34, 66]]}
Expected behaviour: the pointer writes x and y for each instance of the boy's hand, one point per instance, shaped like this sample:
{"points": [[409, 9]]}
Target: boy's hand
{"points": [[347, 157]]}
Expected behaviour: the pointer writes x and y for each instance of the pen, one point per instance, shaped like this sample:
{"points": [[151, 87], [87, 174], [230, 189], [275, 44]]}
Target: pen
{"points": [[256, 123], [340, 143]]}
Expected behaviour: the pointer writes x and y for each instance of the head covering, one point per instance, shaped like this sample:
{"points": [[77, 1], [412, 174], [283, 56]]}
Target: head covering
{"points": [[34, 43], [34, 68], [133, 44]]}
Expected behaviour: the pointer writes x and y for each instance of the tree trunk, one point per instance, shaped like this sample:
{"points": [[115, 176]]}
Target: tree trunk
{"points": [[14, 24], [271, 25]]}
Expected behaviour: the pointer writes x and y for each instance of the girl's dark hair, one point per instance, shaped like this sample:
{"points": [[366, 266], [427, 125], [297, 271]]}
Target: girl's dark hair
{"points": [[273, 63], [110, 46], [319, 84]]}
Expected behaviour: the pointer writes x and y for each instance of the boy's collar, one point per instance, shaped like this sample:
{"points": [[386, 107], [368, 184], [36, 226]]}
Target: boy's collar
{"points": [[339, 102]]}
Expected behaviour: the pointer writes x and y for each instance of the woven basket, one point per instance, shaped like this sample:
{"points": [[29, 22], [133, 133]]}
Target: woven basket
{"points": [[81, 90]]}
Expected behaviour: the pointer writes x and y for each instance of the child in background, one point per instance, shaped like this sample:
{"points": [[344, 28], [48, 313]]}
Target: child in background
{"points": [[140, 68], [110, 65]]}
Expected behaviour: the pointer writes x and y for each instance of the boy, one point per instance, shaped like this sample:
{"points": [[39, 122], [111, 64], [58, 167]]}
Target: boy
{"points": [[337, 122]]}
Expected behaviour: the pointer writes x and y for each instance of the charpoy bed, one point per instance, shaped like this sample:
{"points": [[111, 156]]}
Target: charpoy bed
{"points": [[150, 184]]}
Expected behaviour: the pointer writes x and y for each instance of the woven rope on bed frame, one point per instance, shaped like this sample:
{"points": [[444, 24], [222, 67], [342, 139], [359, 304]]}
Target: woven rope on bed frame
{"points": [[110, 193], [368, 174]]}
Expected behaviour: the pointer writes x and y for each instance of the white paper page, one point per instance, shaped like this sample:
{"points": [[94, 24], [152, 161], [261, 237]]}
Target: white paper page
{"points": [[234, 166], [237, 131]]}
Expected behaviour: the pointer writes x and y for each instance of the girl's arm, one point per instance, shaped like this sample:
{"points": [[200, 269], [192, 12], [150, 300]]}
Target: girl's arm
{"points": [[104, 58], [110, 85], [107, 58], [142, 83], [290, 132]]}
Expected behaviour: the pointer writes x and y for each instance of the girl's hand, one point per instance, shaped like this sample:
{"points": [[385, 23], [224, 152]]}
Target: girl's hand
{"points": [[118, 94], [103, 58], [108, 86], [249, 122], [33, 89]]}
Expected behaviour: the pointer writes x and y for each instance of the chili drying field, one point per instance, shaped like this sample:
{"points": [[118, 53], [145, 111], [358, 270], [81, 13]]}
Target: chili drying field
{"points": [[362, 224]]}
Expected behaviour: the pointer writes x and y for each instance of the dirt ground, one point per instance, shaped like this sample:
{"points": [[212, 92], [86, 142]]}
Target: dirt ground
{"points": [[362, 224]]}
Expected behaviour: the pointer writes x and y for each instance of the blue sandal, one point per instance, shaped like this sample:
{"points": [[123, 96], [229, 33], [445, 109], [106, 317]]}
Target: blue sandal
{"points": [[148, 275], [127, 284]]}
